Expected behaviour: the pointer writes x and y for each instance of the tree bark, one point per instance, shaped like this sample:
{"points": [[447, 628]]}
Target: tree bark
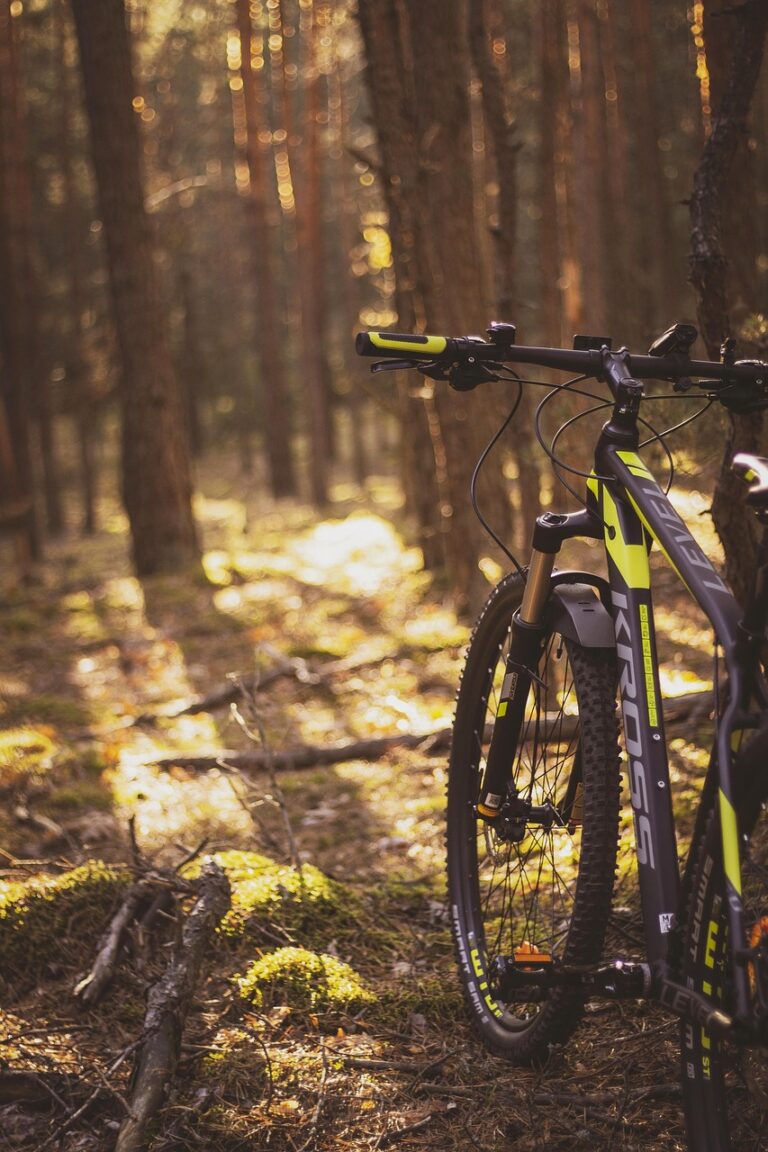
{"points": [[421, 95], [551, 184], [451, 280], [156, 480], [274, 384], [392, 96], [490, 57], [712, 188], [655, 248], [589, 149], [84, 406], [17, 337]]}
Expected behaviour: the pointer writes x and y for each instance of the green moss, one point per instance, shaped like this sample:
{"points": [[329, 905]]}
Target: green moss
{"points": [[24, 752], [304, 980], [235, 1061], [78, 797], [48, 709], [54, 918], [436, 998], [268, 896]]}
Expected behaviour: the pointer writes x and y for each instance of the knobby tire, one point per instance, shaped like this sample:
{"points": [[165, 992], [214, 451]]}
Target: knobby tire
{"points": [[551, 890]]}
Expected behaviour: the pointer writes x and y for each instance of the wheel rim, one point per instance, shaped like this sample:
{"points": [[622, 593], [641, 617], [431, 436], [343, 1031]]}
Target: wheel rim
{"points": [[523, 892]]}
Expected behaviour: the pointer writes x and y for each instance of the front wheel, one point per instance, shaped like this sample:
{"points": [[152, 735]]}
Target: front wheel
{"points": [[541, 895]]}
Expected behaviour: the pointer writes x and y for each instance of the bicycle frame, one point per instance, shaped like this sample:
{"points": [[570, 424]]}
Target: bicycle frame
{"points": [[628, 509], [635, 512]]}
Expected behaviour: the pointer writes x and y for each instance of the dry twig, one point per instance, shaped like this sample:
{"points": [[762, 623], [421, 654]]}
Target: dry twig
{"points": [[167, 1006]]}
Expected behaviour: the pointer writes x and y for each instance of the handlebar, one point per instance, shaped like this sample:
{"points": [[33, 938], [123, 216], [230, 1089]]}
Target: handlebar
{"points": [[466, 351]]}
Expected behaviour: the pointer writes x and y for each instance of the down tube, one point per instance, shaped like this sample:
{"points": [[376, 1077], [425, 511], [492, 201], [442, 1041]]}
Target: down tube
{"points": [[627, 547]]}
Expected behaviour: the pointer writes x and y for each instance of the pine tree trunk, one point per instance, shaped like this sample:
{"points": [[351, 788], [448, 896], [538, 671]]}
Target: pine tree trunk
{"points": [[392, 97], [84, 408], [712, 190], [655, 263], [450, 279], [487, 36], [274, 384], [156, 481], [589, 148], [550, 222], [17, 339]]}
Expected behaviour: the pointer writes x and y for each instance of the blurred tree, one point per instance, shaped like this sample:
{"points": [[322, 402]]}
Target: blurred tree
{"points": [[446, 270], [156, 481], [306, 177], [274, 386], [18, 311], [490, 55], [392, 100], [84, 401]]}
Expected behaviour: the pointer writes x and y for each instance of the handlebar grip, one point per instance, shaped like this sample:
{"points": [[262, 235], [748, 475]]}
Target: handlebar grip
{"points": [[399, 344]]}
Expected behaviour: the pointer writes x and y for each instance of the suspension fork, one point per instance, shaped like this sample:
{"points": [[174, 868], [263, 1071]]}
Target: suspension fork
{"points": [[528, 629]]}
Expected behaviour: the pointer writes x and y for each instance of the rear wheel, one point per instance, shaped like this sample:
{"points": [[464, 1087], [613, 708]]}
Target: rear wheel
{"points": [[543, 894], [725, 1086]]}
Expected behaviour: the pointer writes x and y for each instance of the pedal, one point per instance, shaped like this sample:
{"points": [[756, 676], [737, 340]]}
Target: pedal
{"points": [[528, 956]]}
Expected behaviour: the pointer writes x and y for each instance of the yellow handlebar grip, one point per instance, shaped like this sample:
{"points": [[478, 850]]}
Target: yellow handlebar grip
{"points": [[380, 343]]}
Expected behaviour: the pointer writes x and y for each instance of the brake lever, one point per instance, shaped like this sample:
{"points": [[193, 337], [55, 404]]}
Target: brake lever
{"points": [[395, 365], [463, 377]]}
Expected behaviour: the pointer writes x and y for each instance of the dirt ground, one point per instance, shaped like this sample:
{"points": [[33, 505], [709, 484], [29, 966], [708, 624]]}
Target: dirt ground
{"points": [[97, 670]]}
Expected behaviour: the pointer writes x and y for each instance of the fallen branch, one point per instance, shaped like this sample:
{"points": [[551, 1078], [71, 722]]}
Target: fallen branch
{"points": [[676, 709], [310, 755], [283, 667], [231, 693], [153, 892], [395, 1134], [145, 897], [91, 988], [167, 1006]]}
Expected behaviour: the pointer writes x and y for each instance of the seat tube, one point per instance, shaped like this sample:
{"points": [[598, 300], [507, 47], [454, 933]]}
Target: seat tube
{"points": [[627, 549]]}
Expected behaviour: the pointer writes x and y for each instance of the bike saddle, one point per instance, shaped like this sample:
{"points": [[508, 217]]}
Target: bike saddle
{"points": [[754, 469]]}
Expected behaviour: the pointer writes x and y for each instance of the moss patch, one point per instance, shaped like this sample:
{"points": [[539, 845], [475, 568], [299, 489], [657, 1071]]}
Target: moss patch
{"points": [[53, 918], [235, 1061], [268, 896], [48, 709], [24, 753], [436, 998], [304, 980]]}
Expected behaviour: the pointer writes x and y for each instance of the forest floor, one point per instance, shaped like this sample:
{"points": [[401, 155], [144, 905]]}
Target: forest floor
{"points": [[96, 671]]}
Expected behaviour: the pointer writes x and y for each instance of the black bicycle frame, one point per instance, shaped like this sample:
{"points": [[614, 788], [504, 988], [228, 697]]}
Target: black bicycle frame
{"points": [[635, 512]]}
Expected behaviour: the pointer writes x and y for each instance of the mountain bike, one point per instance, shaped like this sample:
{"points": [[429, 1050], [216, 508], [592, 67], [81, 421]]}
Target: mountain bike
{"points": [[534, 773]]}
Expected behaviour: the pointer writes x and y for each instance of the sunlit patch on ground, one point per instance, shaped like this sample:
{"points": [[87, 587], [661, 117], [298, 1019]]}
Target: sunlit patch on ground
{"points": [[172, 807], [360, 555]]}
